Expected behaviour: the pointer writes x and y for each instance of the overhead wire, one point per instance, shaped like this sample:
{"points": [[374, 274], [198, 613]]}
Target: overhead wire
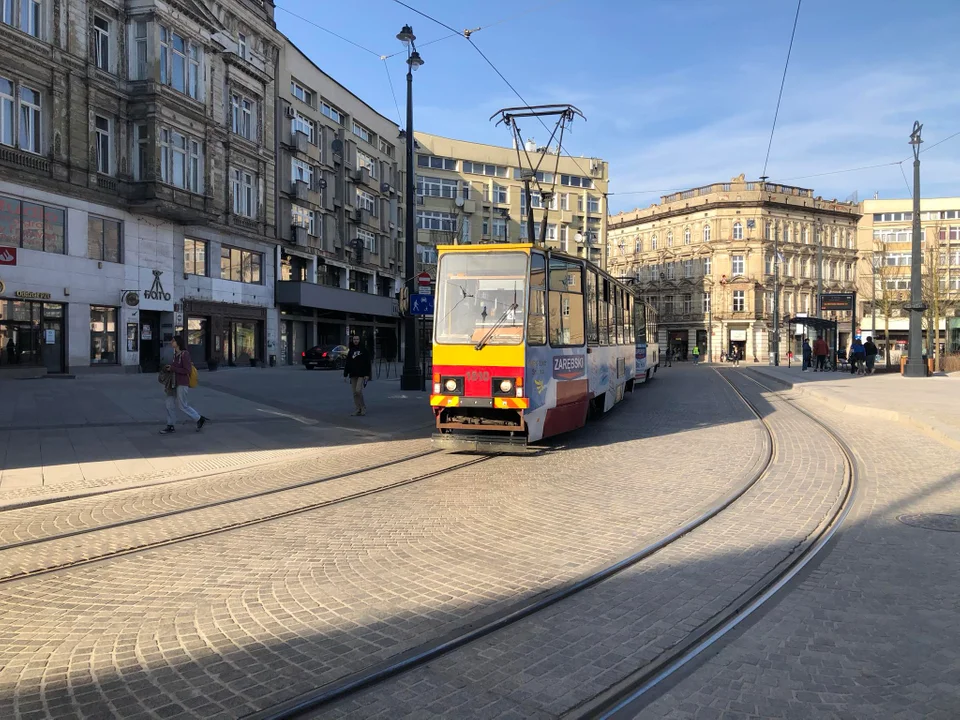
{"points": [[327, 30], [393, 92], [783, 82]]}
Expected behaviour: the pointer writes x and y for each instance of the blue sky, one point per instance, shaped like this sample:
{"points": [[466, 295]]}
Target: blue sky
{"points": [[677, 93]]}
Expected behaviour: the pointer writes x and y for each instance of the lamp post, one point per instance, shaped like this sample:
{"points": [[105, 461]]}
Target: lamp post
{"points": [[776, 293], [875, 264], [914, 366], [411, 379], [818, 229]]}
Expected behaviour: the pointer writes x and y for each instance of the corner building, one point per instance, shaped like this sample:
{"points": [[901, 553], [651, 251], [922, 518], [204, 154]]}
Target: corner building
{"points": [[704, 258], [136, 175]]}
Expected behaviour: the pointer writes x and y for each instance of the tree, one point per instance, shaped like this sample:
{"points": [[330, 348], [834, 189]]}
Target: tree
{"points": [[934, 290], [883, 298]]}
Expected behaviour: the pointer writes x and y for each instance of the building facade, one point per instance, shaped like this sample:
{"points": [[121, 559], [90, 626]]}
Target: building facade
{"points": [[705, 259], [339, 179], [473, 193], [885, 238], [137, 152]]}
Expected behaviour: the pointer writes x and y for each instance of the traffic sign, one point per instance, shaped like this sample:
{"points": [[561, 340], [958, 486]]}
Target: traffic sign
{"points": [[421, 305], [423, 279]]}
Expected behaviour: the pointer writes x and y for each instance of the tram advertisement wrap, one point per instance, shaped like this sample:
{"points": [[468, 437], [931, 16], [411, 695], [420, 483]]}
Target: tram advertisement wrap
{"points": [[568, 367], [641, 359]]}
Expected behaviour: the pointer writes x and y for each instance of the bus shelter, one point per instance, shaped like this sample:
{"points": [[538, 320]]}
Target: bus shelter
{"points": [[815, 327]]}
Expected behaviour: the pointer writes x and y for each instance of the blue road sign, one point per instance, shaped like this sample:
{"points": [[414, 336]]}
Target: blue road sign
{"points": [[421, 304]]}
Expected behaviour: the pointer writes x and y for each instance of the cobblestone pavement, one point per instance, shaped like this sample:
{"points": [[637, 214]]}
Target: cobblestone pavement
{"points": [[234, 623], [874, 630], [553, 661]]}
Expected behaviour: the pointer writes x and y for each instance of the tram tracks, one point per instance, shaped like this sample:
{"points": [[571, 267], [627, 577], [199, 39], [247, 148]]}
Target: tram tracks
{"points": [[25, 559], [627, 692]]}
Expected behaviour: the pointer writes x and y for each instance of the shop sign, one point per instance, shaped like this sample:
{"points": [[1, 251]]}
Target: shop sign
{"points": [[8, 256], [30, 295], [156, 290], [738, 335]]}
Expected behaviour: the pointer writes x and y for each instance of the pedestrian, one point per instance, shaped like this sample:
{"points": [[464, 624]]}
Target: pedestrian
{"points": [[821, 350], [356, 371], [696, 354], [735, 355], [668, 358], [807, 354], [871, 350], [858, 357], [177, 378]]}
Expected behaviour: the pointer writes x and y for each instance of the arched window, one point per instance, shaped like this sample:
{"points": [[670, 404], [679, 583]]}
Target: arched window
{"points": [[768, 231], [737, 231], [638, 246], [706, 233], [788, 233], [669, 239], [805, 234], [653, 243]]}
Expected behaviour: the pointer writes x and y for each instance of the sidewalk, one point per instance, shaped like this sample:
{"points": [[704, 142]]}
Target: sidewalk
{"points": [[60, 437], [931, 404]]}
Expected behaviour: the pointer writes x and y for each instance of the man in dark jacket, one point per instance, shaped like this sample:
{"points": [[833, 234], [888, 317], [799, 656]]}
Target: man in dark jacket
{"points": [[356, 371], [871, 349], [807, 354]]}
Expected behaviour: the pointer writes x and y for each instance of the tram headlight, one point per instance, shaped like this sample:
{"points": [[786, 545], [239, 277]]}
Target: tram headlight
{"points": [[451, 385], [506, 386]]}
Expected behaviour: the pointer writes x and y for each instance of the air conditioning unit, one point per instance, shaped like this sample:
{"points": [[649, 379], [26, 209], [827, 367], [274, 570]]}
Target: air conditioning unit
{"points": [[298, 235], [289, 111]]}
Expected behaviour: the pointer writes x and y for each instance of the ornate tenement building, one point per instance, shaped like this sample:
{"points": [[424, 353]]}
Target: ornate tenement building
{"points": [[137, 179], [705, 258]]}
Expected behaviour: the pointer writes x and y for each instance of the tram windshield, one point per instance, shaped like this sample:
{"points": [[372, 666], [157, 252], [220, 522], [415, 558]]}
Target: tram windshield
{"points": [[481, 298]]}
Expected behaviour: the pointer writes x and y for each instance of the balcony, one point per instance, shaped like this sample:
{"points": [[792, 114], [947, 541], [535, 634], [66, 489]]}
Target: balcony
{"points": [[361, 176], [298, 235], [300, 190], [300, 141], [290, 292]]}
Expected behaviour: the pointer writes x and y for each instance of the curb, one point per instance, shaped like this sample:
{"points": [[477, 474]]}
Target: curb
{"points": [[906, 419]]}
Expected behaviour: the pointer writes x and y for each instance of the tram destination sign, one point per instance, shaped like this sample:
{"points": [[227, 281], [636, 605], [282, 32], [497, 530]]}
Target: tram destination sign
{"points": [[836, 302]]}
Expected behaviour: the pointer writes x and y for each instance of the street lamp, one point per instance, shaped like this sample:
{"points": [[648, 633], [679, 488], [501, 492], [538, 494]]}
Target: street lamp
{"points": [[875, 262], [776, 293], [914, 366], [818, 229], [411, 379]]}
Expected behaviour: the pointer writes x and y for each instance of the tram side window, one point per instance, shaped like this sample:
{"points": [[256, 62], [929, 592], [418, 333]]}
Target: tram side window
{"points": [[593, 332], [640, 321], [536, 317], [565, 303], [617, 320], [603, 311], [628, 337]]}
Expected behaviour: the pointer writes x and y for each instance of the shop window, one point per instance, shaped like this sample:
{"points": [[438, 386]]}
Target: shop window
{"points": [[103, 335], [31, 226], [103, 239], [241, 265], [194, 257]]}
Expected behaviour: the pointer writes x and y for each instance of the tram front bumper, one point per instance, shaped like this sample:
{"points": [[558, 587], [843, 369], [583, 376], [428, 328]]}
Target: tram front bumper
{"points": [[483, 444]]}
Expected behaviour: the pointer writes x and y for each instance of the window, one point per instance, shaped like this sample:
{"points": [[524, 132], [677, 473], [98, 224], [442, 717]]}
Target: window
{"points": [[436, 187], [29, 15], [329, 110], [303, 217], [687, 304], [31, 226], [302, 94], [368, 239], [429, 220], [242, 45], [29, 120], [736, 263], [668, 304], [465, 189], [102, 125], [301, 171], [386, 148], [368, 162], [437, 163], [500, 194], [138, 70], [465, 230], [670, 271], [575, 181], [835, 238], [240, 265], [893, 217], [361, 132], [7, 130], [847, 271], [499, 228], [706, 302], [686, 236], [481, 169], [103, 335], [101, 42], [366, 201], [768, 231], [708, 266], [244, 121], [243, 197], [181, 160], [805, 235], [301, 123], [706, 233], [180, 63], [688, 268], [737, 231], [768, 264], [536, 313], [653, 243], [194, 257], [739, 301], [638, 246], [593, 204], [565, 303], [103, 239], [140, 144]]}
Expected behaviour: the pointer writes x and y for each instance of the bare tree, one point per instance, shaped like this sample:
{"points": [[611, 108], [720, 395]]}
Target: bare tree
{"points": [[934, 287], [883, 298]]}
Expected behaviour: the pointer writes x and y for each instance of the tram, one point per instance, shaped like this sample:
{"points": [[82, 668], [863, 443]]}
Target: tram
{"points": [[527, 344]]}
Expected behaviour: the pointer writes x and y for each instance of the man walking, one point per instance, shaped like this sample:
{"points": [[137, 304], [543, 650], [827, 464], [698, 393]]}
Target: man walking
{"points": [[356, 371], [176, 388], [696, 354], [821, 350], [872, 351]]}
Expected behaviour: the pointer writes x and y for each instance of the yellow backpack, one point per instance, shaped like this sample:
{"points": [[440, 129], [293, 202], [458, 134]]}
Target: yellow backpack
{"points": [[194, 380]]}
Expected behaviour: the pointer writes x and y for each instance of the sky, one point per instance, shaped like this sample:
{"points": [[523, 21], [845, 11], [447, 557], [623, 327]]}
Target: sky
{"points": [[676, 93]]}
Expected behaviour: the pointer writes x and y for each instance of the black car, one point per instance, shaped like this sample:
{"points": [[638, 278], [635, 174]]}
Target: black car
{"points": [[325, 356]]}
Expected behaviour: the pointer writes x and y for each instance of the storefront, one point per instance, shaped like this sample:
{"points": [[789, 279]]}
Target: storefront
{"points": [[225, 334], [32, 332]]}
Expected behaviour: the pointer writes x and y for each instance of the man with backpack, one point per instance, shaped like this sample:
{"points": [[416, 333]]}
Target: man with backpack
{"points": [[177, 377]]}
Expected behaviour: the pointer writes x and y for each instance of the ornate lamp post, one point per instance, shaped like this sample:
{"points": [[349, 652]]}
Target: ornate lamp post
{"points": [[411, 378], [914, 366]]}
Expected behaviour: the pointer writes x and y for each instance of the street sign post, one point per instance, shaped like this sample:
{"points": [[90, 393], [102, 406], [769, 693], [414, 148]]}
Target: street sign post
{"points": [[421, 305], [423, 283]]}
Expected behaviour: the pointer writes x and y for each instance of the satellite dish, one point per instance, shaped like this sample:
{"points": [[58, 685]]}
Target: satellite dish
{"points": [[384, 187], [458, 202], [337, 146]]}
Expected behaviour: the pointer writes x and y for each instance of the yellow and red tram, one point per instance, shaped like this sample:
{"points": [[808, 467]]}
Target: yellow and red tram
{"points": [[527, 342]]}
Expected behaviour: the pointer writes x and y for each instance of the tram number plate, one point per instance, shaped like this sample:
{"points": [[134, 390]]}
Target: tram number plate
{"points": [[478, 376], [476, 402]]}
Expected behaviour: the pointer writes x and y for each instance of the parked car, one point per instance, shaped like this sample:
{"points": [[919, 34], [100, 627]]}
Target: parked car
{"points": [[325, 356]]}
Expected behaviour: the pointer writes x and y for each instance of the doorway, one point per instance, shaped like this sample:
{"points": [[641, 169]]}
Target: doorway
{"points": [[150, 341]]}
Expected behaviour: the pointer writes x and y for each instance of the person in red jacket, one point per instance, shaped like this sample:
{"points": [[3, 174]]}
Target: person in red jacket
{"points": [[821, 350], [180, 367]]}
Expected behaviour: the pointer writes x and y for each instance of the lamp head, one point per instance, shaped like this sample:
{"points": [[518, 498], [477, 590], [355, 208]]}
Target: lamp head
{"points": [[406, 35], [414, 61]]}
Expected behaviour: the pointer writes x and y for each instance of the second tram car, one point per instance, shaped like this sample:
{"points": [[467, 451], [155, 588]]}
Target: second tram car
{"points": [[527, 343]]}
